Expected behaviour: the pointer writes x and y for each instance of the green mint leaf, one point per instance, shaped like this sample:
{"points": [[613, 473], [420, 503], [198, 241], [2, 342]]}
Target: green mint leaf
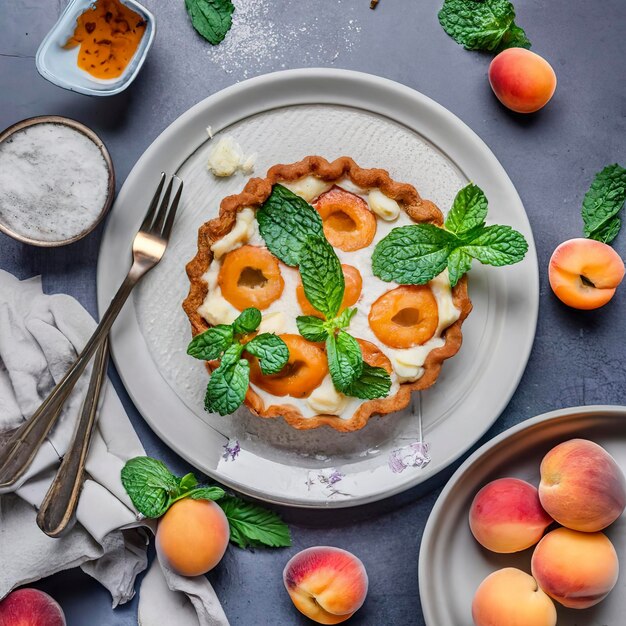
{"points": [[484, 25], [459, 262], [413, 255], [468, 211], [311, 328], [608, 232], [374, 382], [286, 222], [603, 202], [210, 344], [322, 276], [186, 483], [211, 18], [497, 245], [207, 493], [515, 37], [247, 322], [344, 318], [271, 351], [229, 383], [252, 525], [345, 361], [149, 484]]}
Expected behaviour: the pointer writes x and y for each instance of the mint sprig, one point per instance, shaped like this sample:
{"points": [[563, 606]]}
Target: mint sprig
{"points": [[603, 202], [152, 489], [229, 383], [482, 24], [211, 18], [414, 255], [293, 231]]}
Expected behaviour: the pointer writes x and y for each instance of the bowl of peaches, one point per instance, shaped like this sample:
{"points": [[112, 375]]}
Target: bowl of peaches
{"points": [[531, 528]]}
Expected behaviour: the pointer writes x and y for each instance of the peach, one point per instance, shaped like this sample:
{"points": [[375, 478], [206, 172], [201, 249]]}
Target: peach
{"points": [[585, 273], [192, 536], [522, 80], [582, 487], [576, 569], [510, 597], [30, 607], [326, 584], [506, 516]]}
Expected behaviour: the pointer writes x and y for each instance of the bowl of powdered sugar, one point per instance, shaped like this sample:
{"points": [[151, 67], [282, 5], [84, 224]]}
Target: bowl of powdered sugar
{"points": [[56, 181]]}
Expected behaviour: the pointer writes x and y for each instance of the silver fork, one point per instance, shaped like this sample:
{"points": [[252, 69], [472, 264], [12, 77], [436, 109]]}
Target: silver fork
{"points": [[148, 248]]}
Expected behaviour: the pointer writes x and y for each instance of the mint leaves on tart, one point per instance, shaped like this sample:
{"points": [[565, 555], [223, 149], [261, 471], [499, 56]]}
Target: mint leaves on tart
{"points": [[603, 202], [286, 222], [415, 254], [482, 24], [211, 18], [292, 230], [152, 489], [229, 383]]}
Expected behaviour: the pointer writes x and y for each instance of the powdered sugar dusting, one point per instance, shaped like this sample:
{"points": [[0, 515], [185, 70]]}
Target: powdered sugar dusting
{"points": [[257, 43]]}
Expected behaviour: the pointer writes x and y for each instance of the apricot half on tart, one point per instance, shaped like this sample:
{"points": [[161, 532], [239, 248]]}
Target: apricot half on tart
{"points": [[405, 317], [305, 370], [348, 222], [352, 291], [250, 277]]}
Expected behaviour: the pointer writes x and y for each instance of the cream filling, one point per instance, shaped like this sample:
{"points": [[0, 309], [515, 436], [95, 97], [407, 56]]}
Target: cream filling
{"points": [[227, 157], [243, 230], [280, 316]]}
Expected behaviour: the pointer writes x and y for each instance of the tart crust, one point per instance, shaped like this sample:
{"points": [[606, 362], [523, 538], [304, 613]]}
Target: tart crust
{"points": [[256, 191]]}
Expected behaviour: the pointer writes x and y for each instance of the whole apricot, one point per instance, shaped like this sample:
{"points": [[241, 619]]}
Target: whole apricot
{"points": [[192, 536], [582, 487], [506, 516], [576, 569], [585, 273], [522, 80], [510, 597], [30, 607], [326, 584]]}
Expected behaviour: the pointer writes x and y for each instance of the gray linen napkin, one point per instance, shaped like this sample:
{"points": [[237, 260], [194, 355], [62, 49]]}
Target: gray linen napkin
{"points": [[40, 337]]}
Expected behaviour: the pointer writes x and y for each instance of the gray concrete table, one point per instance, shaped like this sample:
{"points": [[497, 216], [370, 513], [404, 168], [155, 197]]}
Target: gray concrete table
{"points": [[578, 357]]}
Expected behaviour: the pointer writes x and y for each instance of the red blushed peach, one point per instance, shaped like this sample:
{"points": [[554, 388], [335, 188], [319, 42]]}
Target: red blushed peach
{"points": [[326, 584], [584, 273], [582, 486], [522, 80], [30, 607], [577, 569], [510, 597], [192, 536], [506, 516]]}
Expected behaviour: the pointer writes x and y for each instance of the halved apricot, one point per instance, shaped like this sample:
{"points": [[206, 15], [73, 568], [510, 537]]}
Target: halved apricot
{"points": [[250, 276], [373, 356], [304, 371], [405, 317], [348, 222], [354, 284]]}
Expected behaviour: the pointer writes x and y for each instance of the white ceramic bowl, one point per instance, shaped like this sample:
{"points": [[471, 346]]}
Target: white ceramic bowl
{"points": [[60, 66]]}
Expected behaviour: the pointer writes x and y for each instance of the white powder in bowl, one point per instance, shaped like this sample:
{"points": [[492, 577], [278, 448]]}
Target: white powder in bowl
{"points": [[53, 182]]}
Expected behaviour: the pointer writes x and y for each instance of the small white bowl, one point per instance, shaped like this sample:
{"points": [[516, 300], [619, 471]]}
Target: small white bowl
{"points": [[60, 66]]}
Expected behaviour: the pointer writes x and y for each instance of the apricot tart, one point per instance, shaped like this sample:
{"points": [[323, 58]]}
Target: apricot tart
{"points": [[403, 332]]}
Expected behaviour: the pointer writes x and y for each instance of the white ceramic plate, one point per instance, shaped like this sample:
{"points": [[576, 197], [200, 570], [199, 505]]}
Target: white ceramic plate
{"points": [[284, 117], [452, 564]]}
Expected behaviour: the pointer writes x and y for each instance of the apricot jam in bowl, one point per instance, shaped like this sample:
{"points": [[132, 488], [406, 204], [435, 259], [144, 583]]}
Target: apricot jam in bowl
{"points": [[97, 47]]}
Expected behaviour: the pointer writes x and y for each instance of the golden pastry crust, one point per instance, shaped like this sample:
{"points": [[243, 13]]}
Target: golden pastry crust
{"points": [[256, 191]]}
